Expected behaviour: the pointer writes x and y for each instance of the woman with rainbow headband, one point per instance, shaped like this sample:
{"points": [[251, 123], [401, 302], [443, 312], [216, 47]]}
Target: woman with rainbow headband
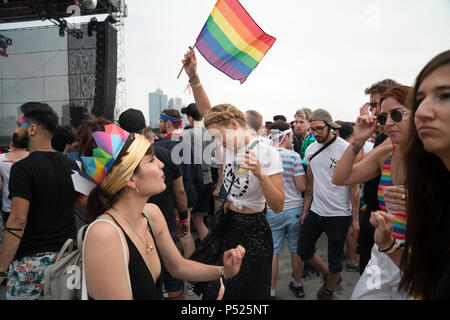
{"points": [[128, 246], [387, 159]]}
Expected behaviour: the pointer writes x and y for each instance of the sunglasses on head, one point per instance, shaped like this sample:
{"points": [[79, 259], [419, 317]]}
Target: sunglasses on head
{"points": [[397, 115], [23, 122]]}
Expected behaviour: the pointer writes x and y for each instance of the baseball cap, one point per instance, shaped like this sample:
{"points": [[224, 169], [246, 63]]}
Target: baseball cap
{"points": [[325, 116], [132, 120], [192, 111], [346, 130]]}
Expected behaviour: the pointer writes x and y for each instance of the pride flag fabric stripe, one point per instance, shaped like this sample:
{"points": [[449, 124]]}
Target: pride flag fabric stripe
{"points": [[232, 41]]}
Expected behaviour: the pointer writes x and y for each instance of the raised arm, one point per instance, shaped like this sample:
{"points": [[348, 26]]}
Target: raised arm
{"points": [[200, 96], [349, 172]]}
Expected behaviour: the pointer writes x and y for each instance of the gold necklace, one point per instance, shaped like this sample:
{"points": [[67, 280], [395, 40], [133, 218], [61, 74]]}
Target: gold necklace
{"points": [[149, 247]]}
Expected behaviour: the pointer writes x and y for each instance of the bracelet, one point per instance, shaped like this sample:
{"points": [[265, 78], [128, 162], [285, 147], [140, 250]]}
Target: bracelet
{"points": [[195, 76], [183, 215], [183, 221], [395, 247], [389, 248], [222, 273], [196, 86]]}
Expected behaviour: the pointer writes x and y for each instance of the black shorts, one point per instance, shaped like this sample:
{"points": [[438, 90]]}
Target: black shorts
{"points": [[336, 230], [204, 200]]}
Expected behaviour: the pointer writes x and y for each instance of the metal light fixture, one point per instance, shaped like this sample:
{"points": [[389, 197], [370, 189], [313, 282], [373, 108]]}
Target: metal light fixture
{"points": [[88, 5]]}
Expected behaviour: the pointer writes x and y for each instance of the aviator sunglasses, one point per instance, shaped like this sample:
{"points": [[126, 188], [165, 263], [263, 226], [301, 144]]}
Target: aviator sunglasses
{"points": [[397, 115]]}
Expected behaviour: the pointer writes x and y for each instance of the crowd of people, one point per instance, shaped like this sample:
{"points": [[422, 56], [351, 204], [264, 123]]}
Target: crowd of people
{"points": [[377, 186]]}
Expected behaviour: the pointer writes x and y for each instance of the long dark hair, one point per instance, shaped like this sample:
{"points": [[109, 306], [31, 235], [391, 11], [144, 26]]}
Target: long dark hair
{"points": [[427, 245]]}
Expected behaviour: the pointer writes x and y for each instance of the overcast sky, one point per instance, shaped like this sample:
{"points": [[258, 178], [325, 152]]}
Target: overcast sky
{"points": [[327, 52]]}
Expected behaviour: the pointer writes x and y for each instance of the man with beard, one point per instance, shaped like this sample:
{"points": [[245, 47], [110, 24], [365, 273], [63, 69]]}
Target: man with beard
{"points": [[17, 152], [43, 200], [327, 207]]}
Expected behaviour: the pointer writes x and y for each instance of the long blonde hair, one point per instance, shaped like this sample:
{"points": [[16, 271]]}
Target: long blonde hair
{"points": [[223, 114]]}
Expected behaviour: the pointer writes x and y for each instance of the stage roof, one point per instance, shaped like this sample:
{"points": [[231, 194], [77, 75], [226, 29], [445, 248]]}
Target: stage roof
{"points": [[30, 10]]}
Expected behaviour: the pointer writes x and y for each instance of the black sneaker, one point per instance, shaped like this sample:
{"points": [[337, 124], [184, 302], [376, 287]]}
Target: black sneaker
{"points": [[298, 291], [324, 294]]}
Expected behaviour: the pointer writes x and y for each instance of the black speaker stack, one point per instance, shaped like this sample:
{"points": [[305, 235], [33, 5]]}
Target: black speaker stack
{"points": [[106, 71]]}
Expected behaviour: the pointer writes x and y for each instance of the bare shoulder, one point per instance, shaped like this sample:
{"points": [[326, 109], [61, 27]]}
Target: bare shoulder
{"points": [[102, 232]]}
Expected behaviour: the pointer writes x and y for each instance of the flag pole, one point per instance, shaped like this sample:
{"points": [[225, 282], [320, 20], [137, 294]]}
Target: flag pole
{"points": [[182, 67]]}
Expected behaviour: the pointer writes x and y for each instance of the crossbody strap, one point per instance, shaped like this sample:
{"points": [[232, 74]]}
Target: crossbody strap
{"points": [[84, 295], [323, 148]]}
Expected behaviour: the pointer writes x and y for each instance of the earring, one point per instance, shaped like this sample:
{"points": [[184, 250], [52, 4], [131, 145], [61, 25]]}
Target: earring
{"points": [[137, 190]]}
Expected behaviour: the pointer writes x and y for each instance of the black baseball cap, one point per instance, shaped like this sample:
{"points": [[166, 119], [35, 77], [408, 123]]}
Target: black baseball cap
{"points": [[192, 111], [132, 120]]}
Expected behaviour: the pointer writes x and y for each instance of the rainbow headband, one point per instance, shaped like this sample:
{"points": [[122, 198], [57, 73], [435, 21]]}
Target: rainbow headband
{"points": [[109, 144]]}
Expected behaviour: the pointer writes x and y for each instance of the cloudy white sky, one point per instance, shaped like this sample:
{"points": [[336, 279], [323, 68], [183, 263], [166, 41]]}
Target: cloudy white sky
{"points": [[327, 52]]}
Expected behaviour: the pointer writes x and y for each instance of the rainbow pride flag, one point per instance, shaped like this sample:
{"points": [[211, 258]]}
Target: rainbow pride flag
{"points": [[232, 41]]}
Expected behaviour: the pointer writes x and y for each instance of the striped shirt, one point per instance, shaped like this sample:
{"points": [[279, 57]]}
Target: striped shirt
{"points": [[292, 167], [386, 181]]}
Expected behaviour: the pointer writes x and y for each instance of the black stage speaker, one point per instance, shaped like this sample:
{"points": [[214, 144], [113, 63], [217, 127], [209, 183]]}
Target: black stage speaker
{"points": [[106, 71], [78, 114]]}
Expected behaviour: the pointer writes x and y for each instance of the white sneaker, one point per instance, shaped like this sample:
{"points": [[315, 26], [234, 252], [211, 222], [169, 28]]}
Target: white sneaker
{"points": [[190, 290]]}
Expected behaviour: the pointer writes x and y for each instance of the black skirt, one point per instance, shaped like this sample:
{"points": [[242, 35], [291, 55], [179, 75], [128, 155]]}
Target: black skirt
{"points": [[251, 231]]}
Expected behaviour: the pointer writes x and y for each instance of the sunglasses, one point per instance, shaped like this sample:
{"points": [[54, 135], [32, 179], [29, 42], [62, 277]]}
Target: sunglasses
{"points": [[397, 115], [317, 129], [23, 122]]}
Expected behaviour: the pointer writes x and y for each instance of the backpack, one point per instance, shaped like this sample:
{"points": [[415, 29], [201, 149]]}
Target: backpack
{"points": [[66, 279]]}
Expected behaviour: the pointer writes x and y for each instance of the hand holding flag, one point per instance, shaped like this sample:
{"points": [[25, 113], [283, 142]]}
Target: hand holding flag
{"points": [[231, 41]]}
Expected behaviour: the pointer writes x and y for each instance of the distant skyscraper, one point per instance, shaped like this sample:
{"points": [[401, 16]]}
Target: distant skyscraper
{"points": [[157, 101], [171, 103]]}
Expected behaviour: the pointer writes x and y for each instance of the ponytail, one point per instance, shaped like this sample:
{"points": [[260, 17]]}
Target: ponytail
{"points": [[98, 203]]}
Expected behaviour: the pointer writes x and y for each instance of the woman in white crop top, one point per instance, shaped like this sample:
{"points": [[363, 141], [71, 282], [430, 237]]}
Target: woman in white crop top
{"points": [[261, 183], [248, 196]]}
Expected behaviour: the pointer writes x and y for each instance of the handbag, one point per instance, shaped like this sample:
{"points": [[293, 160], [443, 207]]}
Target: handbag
{"points": [[208, 251]]}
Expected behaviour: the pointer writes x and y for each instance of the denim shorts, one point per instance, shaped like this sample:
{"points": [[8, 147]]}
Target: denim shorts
{"points": [[286, 222], [222, 194]]}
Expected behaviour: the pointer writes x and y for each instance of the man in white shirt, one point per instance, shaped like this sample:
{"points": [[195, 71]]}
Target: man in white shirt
{"points": [[327, 207]]}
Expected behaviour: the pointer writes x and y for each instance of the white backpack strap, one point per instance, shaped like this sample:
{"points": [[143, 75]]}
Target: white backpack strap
{"points": [[84, 295], [149, 219]]}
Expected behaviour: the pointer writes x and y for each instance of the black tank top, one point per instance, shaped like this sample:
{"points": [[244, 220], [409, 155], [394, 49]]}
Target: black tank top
{"points": [[141, 280]]}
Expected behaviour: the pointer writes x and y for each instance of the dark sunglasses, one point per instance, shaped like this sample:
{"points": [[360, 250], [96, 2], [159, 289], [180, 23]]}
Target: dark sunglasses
{"points": [[397, 115]]}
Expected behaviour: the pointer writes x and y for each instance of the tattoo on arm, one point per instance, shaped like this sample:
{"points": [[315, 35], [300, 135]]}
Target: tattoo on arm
{"points": [[356, 148]]}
